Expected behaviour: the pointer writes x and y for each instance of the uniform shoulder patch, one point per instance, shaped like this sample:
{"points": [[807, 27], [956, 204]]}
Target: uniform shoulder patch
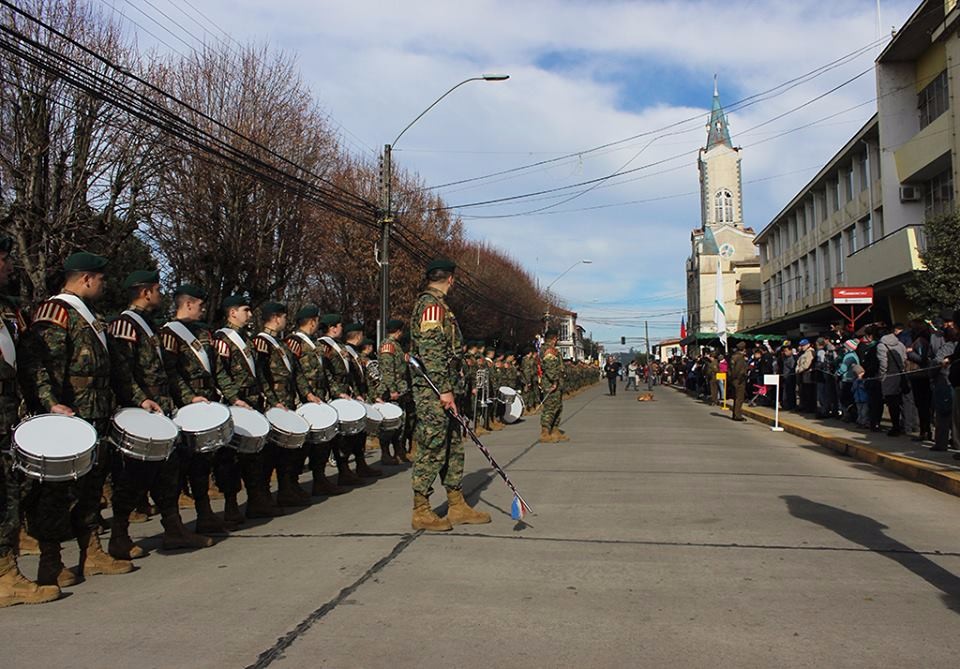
{"points": [[550, 353], [432, 317], [294, 345], [52, 312], [223, 348], [123, 329], [388, 347], [261, 345], [169, 341]]}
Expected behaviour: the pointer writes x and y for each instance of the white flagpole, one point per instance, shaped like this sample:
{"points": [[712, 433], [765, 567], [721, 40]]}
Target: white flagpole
{"points": [[719, 313]]}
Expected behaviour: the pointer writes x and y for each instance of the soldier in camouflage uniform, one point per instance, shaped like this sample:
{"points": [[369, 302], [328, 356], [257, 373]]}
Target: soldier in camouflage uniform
{"points": [[15, 588], [410, 419], [282, 388], [313, 382], [393, 388], [133, 336], [189, 356], [68, 370], [436, 343], [236, 372], [531, 380], [553, 390], [353, 334]]}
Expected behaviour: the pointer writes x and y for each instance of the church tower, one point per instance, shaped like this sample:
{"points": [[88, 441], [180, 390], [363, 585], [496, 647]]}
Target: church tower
{"points": [[721, 240]]}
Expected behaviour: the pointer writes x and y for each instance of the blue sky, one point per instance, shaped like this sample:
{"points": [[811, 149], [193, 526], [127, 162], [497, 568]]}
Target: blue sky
{"points": [[582, 74]]}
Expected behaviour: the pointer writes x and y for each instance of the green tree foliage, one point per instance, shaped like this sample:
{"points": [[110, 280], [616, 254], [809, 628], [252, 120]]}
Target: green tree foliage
{"points": [[939, 285]]}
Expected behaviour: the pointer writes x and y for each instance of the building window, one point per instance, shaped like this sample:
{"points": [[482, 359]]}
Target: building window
{"points": [[833, 196], [838, 259], [814, 271], [848, 184], [933, 100], [564, 330], [938, 195], [862, 169], [723, 206], [866, 231], [824, 257], [852, 239]]}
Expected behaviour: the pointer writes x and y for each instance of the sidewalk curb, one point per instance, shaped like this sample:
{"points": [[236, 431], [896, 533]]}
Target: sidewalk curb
{"points": [[935, 476]]}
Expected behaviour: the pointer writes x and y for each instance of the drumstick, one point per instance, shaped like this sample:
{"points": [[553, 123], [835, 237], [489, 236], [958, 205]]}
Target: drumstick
{"points": [[520, 507]]}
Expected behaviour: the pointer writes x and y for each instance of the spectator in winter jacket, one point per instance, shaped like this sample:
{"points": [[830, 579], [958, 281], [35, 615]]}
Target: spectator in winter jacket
{"points": [[919, 362], [808, 386], [860, 397], [891, 357]]}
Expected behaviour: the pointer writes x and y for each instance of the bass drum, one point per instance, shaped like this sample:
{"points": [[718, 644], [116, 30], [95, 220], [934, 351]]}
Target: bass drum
{"points": [[505, 395], [514, 410], [53, 447]]}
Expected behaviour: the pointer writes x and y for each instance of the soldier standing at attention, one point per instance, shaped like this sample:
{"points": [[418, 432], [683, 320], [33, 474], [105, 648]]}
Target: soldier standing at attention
{"points": [[15, 588], [553, 391], [133, 337], [240, 385], [313, 382], [70, 371], [337, 371], [393, 388], [353, 334], [738, 380], [436, 343], [189, 357]]}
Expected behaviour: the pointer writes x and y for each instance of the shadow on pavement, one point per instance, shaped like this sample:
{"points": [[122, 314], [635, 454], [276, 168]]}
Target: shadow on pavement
{"points": [[870, 534]]}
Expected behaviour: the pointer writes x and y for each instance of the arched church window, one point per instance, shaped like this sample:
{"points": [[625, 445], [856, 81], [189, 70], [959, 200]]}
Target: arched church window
{"points": [[723, 206]]}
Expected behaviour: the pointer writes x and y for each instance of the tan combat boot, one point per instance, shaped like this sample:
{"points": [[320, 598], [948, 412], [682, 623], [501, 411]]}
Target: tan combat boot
{"points": [[94, 561], [558, 435], [121, 546], [27, 544], [207, 521], [461, 513], [15, 588], [546, 436], [176, 535], [425, 519], [51, 570], [185, 501]]}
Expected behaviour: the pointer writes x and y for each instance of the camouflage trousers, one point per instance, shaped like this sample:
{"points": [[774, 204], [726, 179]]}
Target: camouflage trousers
{"points": [[439, 446], [10, 490], [552, 409]]}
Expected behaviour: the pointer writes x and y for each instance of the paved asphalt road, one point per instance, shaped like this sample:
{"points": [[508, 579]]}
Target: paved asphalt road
{"points": [[664, 535]]}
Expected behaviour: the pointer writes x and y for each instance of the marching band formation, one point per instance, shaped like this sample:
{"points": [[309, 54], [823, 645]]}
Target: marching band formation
{"points": [[157, 410]]}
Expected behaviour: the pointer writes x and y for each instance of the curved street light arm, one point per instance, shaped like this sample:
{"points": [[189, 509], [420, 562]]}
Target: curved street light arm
{"points": [[434, 104]]}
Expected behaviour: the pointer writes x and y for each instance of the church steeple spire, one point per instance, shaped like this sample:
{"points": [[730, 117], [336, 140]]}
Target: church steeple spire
{"points": [[717, 130]]}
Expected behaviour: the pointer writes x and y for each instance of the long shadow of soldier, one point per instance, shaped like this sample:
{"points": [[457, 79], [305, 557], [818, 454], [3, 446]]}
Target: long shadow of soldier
{"points": [[870, 534]]}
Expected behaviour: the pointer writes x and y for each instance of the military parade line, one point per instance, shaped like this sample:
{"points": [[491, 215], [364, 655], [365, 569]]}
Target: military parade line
{"points": [[133, 409]]}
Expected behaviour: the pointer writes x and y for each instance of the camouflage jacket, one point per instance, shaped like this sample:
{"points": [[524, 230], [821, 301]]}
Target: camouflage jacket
{"points": [[436, 340], [13, 322], [309, 366], [142, 356], [552, 369], [339, 380], [393, 367], [188, 377], [358, 372], [234, 377], [529, 370], [276, 370], [66, 363]]}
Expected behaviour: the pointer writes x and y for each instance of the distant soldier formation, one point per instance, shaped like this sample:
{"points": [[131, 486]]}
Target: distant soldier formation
{"points": [[123, 413]]}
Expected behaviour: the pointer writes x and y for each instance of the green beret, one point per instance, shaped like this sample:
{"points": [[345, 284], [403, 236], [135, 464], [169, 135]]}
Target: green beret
{"points": [[368, 342], [81, 261], [6, 243], [353, 327], [331, 319], [394, 324], [307, 312], [236, 301], [441, 263], [141, 277], [272, 309], [191, 290], [507, 354]]}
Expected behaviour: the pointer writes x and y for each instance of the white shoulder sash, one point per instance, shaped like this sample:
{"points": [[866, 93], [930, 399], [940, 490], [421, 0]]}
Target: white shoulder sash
{"points": [[146, 328], [8, 349], [279, 349], [237, 340], [336, 347], [302, 336], [184, 334], [81, 308]]}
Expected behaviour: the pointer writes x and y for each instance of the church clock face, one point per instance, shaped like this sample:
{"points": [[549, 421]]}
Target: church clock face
{"points": [[726, 251]]}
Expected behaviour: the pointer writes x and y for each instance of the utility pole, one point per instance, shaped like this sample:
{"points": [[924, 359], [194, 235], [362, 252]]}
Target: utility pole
{"points": [[646, 335], [386, 220]]}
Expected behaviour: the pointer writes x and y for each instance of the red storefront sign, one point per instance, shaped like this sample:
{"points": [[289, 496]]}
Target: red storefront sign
{"points": [[847, 295]]}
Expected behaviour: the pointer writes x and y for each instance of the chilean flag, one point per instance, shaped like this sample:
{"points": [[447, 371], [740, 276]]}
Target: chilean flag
{"points": [[683, 327], [518, 509]]}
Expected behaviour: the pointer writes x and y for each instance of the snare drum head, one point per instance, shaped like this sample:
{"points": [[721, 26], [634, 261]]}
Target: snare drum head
{"points": [[201, 416], [390, 411], [249, 423], [287, 421], [373, 413], [54, 436], [142, 423], [349, 410], [320, 416], [507, 390]]}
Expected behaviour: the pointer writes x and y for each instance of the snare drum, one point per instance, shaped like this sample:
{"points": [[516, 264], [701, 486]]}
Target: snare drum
{"points": [[52, 447], [322, 419], [287, 428], [374, 418], [505, 395], [514, 410], [352, 416], [250, 430], [392, 416], [205, 426], [142, 435]]}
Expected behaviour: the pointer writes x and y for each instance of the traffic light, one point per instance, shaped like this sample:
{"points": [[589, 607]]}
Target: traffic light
{"points": [[623, 341]]}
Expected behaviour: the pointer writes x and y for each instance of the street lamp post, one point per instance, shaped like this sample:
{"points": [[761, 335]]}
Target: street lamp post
{"points": [[546, 291], [386, 202]]}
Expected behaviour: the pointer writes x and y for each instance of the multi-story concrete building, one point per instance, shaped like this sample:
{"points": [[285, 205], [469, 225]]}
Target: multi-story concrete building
{"points": [[721, 239], [570, 339]]}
